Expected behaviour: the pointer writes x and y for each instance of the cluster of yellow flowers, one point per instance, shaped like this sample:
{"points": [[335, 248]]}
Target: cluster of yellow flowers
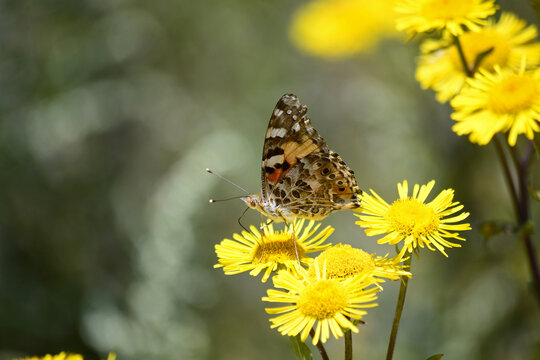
{"points": [[487, 69], [64, 356], [329, 293]]}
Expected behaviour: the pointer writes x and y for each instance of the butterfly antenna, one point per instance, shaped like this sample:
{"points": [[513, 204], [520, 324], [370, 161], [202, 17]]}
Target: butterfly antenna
{"points": [[227, 180], [211, 201]]}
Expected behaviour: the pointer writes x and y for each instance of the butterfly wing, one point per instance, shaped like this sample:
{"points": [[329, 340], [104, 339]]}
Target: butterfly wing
{"points": [[299, 171]]}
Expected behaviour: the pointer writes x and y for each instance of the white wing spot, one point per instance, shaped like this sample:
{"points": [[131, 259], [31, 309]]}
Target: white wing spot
{"points": [[289, 112], [276, 159], [296, 127], [278, 112], [278, 132], [295, 117]]}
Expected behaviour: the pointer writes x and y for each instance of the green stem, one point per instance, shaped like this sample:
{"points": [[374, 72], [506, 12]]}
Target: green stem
{"points": [[524, 215], [320, 346], [348, 345], [520, 199], [507, 173], [459, 48], [399, 310]]}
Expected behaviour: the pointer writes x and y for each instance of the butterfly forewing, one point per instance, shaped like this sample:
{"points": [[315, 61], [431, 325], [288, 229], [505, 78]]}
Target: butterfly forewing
{"points": [[301, 176]]}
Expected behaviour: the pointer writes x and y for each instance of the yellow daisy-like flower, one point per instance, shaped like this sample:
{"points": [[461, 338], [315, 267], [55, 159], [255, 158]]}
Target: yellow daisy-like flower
{"points": [[328, 304], [440, 67], [344, 261], [271, 250], [64, 356], [412, 221], [340, 28], [498, 102], [452, 15], [61, 356]]}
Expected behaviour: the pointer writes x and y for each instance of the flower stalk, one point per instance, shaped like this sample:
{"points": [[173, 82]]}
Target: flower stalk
{"points": [[320, 346], [348, 345], [459, 48], [399, 311]]}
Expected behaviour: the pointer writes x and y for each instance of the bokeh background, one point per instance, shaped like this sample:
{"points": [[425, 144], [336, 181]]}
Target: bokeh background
{"points": [[110, 111]]}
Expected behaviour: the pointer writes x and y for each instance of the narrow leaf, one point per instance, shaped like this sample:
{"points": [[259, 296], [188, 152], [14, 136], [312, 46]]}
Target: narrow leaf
{"points": [[301, 351]]}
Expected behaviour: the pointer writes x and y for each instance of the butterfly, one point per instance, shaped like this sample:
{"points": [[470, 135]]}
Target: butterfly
{"points": [[301, 177]]}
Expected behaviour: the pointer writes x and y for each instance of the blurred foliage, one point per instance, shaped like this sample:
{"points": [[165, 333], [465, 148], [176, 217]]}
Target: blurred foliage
{"points": [[110, 112]]}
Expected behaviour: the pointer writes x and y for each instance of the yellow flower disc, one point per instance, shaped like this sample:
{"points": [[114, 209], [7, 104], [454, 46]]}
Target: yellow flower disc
{"points": [[322, 299], [513, 94], [280, 248], [412, 218], [344, 261]]}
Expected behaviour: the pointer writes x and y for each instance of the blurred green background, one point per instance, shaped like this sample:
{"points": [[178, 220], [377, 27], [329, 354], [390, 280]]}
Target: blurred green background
{"points": [[110, 110]]}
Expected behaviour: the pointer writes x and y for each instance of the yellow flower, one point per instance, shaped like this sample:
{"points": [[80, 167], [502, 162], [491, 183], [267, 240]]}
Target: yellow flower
{"points": [[441, 69], [411, 220], [327, 304], [272, 250], [452, 15], [344, 261], [498, 102], [64, 356], [340, 28]]}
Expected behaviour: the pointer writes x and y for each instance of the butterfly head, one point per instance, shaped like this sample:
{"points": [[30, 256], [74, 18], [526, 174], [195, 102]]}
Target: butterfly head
{"points": [[253, 201]]}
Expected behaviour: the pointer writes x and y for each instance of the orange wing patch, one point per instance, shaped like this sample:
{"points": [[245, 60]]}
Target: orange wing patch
{"points": [[292, 151], [275, 175]]}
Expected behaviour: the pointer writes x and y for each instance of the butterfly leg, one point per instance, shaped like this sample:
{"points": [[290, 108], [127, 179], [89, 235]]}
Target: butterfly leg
{"points": [[262, 236], [240, 218], [290, 226], [263, 225]]}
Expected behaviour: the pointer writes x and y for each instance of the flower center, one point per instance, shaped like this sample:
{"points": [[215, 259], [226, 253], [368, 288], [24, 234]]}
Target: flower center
{"points": [[344, 262], [277, 248], [322, 299], [513, 94], [476, 43], [411, 217], [445, 9]]}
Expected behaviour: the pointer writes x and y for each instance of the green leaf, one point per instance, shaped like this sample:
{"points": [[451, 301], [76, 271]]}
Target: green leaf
{"points": [[301, 351], [358, 322], [435, 357]]}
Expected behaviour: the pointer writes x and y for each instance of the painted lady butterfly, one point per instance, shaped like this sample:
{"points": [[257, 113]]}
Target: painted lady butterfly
{"points": [[301, 176]]}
